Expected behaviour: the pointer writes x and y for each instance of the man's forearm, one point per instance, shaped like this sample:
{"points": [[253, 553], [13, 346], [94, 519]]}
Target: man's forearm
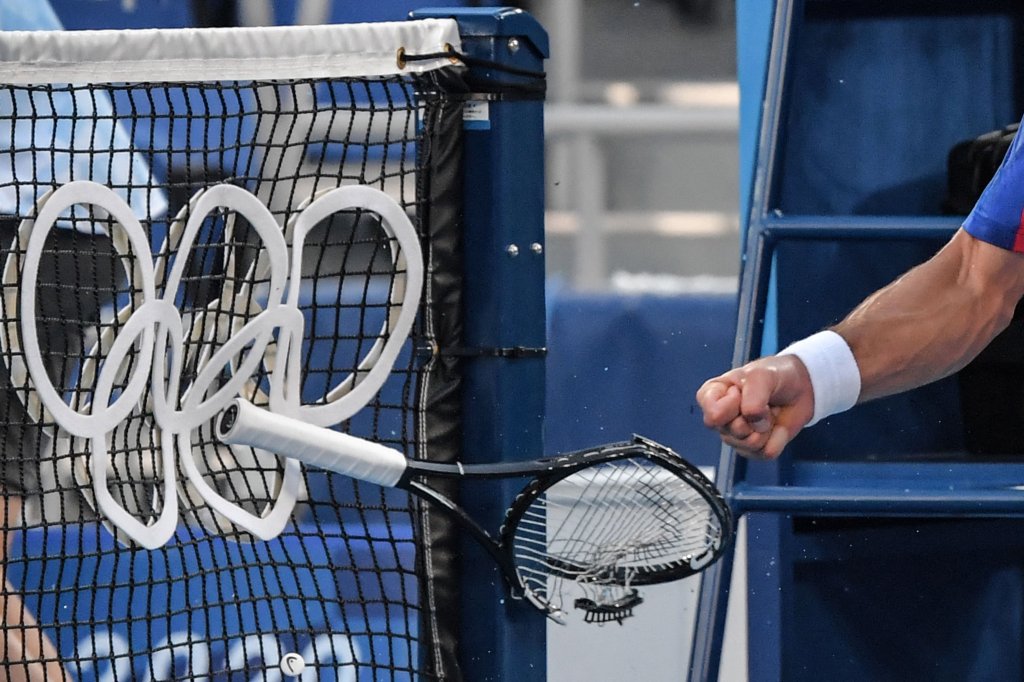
{"points": [[935, 319], [925, 325]]}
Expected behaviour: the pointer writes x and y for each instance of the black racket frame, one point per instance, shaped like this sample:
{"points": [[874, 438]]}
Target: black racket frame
{"points": [[546, 473]]}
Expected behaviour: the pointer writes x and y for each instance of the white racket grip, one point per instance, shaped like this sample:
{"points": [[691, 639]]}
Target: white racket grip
{"points": [[242, 423]]}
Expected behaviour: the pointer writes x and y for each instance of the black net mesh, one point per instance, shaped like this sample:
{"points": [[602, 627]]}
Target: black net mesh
{"points": [[339, 585]]}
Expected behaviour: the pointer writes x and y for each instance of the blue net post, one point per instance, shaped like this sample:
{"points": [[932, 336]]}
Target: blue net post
{"points": [[503, 243]]}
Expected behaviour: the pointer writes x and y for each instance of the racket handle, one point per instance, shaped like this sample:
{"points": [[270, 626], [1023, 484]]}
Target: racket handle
{"points": [[242, 423]]}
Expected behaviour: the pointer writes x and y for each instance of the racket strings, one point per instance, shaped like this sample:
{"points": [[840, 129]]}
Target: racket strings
{"points": [[566, 544], [605, 527], [627, 516], [595, 536]]}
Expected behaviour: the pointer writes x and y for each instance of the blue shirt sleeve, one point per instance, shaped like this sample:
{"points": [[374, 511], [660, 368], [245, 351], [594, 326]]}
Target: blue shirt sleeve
{"points": [[998, 217]]}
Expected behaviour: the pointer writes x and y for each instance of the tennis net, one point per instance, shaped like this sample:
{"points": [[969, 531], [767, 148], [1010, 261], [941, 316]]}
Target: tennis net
{"points": [[187, 216]]}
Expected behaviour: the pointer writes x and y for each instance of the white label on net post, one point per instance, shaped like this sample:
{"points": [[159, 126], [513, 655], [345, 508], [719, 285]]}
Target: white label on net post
{"points": [[476, 115]]}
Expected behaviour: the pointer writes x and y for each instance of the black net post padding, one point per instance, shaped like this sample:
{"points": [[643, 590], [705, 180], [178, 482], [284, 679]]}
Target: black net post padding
{"points": [[439, 418], [503, 293]]}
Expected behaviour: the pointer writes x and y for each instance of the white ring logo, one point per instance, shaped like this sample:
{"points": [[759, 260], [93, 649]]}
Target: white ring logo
{"points": [[148, 349]]}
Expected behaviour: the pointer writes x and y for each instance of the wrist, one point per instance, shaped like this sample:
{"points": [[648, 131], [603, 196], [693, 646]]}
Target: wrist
{"points": [[833, 371]]}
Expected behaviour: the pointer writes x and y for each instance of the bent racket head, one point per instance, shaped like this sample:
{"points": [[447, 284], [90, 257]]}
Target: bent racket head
{"points": [[601, 522], [227, 489]]}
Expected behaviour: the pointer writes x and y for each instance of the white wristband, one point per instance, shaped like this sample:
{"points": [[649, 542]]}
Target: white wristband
{"points": [[835, 376]]}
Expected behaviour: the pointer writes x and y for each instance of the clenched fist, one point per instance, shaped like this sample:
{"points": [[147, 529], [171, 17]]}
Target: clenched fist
{"points": [[759, 407]]}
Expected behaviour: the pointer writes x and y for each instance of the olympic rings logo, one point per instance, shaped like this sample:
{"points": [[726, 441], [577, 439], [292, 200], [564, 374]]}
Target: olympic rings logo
{"points": [[146, 355]]}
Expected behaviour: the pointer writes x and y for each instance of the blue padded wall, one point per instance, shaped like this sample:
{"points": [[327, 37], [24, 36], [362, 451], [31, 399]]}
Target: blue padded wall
{"points": [[619, 365], [101, 14], [937, 600], [877, 95]]}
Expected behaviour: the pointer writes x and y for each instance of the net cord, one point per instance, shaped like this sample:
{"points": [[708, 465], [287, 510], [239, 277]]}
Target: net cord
{"points": [[237, 53]]}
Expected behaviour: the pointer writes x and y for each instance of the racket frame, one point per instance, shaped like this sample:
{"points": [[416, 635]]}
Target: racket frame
{"points": [[549, 471]]}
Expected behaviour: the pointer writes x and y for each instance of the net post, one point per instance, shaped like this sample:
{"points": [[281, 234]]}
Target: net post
{"points": [[504, 306]]}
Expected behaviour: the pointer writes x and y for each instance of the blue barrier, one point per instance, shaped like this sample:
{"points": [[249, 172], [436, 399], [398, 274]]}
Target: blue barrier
{"points": [[619, 365]]}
